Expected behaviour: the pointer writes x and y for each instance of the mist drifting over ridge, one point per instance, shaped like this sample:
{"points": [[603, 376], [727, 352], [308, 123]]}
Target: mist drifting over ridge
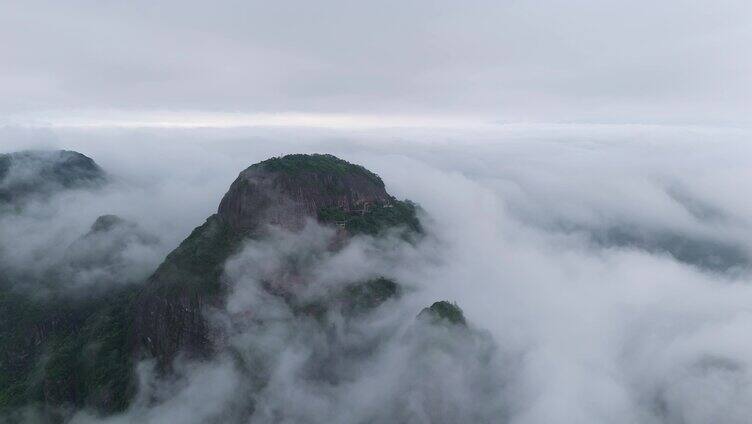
{"points": [[567, 253]]}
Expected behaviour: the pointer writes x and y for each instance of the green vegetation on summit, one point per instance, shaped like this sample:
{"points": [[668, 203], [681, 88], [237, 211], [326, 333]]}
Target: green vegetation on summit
{"points": [[323, 164]]}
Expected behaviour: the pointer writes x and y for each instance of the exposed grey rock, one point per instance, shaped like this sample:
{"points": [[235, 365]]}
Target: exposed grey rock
{"points": [[284, 191]]}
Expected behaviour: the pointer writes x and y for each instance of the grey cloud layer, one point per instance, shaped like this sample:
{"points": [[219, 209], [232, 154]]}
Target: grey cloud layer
{"points": [[585, 60]]}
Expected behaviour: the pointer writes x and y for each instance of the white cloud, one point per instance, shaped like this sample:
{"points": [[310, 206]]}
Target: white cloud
{"points": [[586, 332]]}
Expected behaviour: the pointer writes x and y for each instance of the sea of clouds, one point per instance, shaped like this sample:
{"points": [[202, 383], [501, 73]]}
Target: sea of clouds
{"points": [[604, 271]]}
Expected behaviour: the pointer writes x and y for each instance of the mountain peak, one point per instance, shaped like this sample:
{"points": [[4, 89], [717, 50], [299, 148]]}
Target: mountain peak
{"points": [[106, 223], [42, 172], [286, 190], [444, 311], [283, 192], [316, 163]]}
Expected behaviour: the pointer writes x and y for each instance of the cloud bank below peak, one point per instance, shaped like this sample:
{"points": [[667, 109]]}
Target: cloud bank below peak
{"points": [[551, 240]]}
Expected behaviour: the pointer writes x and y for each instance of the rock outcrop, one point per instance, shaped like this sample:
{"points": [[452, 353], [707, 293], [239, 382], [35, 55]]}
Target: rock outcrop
{"points": [[285, 191]]}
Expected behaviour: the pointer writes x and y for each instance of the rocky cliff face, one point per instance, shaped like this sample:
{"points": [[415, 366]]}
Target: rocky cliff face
{"points": [[169, 310], [284, 191]]}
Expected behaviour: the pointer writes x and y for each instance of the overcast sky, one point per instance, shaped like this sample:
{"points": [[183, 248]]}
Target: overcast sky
{"points": [[678, 62], [572, 157]]}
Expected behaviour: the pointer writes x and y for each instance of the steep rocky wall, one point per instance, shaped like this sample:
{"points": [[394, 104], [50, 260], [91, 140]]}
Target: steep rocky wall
{"points": [[285, 197]]}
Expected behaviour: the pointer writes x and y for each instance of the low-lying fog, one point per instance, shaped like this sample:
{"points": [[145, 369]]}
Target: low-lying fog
{"points": [[607, 270]]}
